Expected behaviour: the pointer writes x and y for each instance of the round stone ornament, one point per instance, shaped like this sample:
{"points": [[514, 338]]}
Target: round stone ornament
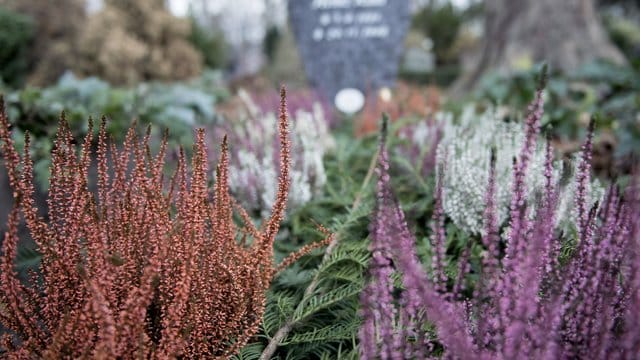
{"points": [[349, 100]]}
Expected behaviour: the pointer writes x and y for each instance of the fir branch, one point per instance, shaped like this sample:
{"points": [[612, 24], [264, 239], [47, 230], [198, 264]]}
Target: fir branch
{"points": [[286, 328]]}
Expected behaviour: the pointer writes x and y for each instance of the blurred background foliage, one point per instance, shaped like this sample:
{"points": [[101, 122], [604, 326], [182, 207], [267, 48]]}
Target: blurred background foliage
{"points": [[16, 34], [131, 41], [609, 92], [178, 107], [137, 59], [211, 44], [439, 30], [123, 43], [52, 51]]}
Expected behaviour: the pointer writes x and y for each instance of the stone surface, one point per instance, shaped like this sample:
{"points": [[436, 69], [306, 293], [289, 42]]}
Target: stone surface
{"points": [[350, 43]]}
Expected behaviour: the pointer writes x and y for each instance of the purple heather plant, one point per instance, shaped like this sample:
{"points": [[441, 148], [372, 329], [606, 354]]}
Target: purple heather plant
{"points": [[527, 304], [301, 100], [421, 142]]}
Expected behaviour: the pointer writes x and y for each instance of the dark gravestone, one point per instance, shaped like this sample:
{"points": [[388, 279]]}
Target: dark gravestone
{"points": [[350, 43]]}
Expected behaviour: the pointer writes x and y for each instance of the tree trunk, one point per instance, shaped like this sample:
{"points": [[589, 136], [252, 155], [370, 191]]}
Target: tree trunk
{"points": [[564, 33]]}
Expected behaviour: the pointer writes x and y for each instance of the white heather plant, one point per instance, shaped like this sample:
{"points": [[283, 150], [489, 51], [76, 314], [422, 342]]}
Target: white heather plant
{"points": [[254, 165], [465, 150]]}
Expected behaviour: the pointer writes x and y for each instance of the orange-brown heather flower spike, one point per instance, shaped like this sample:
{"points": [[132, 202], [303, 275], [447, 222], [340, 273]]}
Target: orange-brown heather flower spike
{"points": [[305, 250], [265, 248], [280, 205], [249, 226], [18, 315], [103, 175], [9, 153], [222, 200], [160, 158], [24, 192], [105, 348]]}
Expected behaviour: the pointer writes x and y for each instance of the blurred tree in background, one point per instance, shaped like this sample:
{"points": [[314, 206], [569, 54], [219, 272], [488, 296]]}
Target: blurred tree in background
{"points": [[129, 41], [517, 34]]}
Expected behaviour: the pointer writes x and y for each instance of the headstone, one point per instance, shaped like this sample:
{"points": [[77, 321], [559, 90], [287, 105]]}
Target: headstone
{"points": [[350, 44]]}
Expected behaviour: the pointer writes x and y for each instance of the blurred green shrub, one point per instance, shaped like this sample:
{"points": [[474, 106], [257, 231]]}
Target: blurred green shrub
{"points": [[16, 33], [626, 34], [441, 24], [56, 27], [177, 107], [285, 66], [448, 29], [270, 43], [609, 91], [211, 45]]}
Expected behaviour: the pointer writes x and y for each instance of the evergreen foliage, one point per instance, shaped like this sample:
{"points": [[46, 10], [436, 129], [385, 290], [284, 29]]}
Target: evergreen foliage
{"points": [[16, 34], [211, 44], [56, 28]]}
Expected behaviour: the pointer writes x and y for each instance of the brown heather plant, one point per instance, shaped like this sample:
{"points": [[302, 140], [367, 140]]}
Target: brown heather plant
{"points": [[136, 269]]}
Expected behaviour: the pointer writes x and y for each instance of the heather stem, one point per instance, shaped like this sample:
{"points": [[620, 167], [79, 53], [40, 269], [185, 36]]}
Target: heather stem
{"points": [[582, 180], [438, 242]]}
